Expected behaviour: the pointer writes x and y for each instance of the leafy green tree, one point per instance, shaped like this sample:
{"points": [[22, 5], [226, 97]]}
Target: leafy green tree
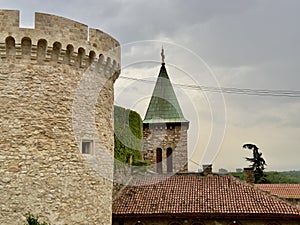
{"points": [[34, 220], [257, 163]]}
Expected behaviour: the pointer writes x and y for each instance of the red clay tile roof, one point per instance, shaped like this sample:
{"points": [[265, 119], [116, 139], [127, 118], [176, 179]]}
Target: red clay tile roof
{"points": [[282, 190], [195, 194]]}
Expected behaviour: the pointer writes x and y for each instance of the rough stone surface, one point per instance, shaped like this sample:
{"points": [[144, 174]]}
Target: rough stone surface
{"points": [[163, 136], [56, 89]]}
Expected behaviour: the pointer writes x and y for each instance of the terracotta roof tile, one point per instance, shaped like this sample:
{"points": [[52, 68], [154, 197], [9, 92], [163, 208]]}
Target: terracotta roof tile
{"points": [[282, 190], [193, 193]]}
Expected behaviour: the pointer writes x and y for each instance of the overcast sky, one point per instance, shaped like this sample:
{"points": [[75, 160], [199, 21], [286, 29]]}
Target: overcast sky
{"points": [[233, 43]]}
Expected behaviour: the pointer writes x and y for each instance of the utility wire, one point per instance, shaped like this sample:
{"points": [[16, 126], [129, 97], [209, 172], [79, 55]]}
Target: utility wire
{"points": [[231, 90]]}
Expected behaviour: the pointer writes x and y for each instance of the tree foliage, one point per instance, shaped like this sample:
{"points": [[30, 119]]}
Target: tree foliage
{"points": [[257, 163], [274, 177]]}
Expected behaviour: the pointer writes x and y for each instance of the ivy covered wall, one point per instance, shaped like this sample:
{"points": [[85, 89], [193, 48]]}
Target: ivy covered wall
{"points": [[128, 128]]}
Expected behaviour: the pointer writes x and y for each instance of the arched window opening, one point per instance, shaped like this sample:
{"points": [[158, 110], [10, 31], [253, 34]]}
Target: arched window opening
{"points": [[115, 64], [26, 46], [56, 51], [235, 223], [139, 223], [80, 56], [108, 62], [10, 46], [41, 49], [169, 160], [69, 53], [159, 160], [92, 57], [101, 59]]}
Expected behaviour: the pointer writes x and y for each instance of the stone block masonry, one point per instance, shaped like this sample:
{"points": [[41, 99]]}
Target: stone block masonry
{"points": [[162, 136], [56, 90]]}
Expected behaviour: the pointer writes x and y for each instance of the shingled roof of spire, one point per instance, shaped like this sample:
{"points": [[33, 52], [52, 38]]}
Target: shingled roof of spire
{"points": [[164, 106], [198, 195]]}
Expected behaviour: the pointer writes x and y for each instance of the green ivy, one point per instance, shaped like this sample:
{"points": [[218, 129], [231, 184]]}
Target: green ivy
{"points": [[128, 136], [34, 220]]}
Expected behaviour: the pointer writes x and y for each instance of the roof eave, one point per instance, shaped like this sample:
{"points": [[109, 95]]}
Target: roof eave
{"points": [[211, 215], [146, 123]]}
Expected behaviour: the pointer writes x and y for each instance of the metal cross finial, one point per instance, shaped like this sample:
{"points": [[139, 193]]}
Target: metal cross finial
{"points": [[162, 55]]}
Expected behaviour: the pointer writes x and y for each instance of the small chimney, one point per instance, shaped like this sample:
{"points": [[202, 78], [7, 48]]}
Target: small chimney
{"points": [[249, 175], [207, 169]]}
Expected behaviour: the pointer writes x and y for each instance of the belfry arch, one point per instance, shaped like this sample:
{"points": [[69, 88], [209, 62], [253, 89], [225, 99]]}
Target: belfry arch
{"points": [[159, 160], [169, 160]]}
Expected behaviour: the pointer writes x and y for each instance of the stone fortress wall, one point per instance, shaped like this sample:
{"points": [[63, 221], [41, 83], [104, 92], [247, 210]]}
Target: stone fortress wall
{"points": [[56, 90]]}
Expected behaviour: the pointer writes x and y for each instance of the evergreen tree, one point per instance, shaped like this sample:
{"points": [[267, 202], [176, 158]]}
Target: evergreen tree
{"points": [[257, 163]]}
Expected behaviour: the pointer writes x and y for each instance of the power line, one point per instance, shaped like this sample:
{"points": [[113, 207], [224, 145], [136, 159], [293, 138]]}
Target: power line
{"points": [[231, 90]]}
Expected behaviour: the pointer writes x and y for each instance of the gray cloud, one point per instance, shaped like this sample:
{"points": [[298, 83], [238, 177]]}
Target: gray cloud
{"points": [[249, 44]]}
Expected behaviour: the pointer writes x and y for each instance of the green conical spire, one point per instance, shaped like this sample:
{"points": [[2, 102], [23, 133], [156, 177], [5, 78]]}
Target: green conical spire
{"points": [[164, 106]]}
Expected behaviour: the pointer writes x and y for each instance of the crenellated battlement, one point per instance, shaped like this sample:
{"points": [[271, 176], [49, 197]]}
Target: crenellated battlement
{"points": [[41, 52], [58, 39]]}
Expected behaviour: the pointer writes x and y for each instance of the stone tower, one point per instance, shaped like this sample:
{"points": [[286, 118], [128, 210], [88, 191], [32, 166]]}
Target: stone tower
{"points": [[56, 113], [165, 128]]}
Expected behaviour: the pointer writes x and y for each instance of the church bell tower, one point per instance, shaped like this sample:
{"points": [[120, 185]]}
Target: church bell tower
{"points": [[165, 128]]}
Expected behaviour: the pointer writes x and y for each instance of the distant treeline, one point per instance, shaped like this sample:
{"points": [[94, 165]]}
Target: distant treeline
{"points": [[128, 136], [273, 177]]}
